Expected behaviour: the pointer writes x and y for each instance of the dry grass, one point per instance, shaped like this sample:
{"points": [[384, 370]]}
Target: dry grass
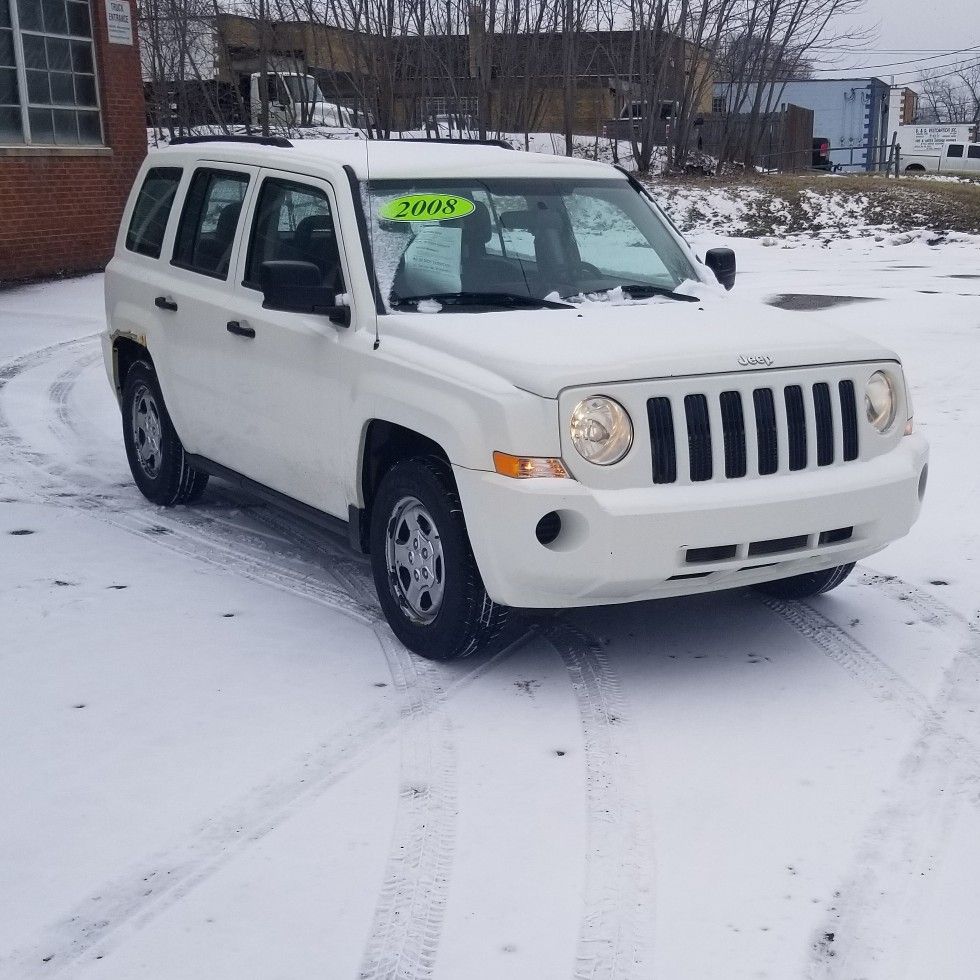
{"points": [[784, 203]]}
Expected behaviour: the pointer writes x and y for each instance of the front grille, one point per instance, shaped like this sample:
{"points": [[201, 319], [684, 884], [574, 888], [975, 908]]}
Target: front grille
{"points": [[795, 426]]}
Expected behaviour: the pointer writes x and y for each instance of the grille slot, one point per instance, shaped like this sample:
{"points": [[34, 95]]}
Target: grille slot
{"points": [[662, 441], [765, 429], [838, 534], [848, 411], [796, 426], [698, 437], [733, 426], [775, 545], [825, 423], [720, 552]]}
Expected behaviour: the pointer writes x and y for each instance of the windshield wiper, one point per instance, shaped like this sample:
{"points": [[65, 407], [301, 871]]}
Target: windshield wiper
{"points": [[642, 290], [513, 300]]}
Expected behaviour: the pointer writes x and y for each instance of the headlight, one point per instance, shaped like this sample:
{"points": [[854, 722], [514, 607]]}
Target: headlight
{"points": [[879, 401], [601, 430]]}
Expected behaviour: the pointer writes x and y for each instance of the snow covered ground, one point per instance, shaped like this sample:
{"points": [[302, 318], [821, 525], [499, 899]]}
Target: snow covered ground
{"points": [[216, 763]]}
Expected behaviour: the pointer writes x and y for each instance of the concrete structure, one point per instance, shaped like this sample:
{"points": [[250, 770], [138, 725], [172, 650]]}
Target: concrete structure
{"points": [[903, 107], [407, 80], [72, 132], [852, 113]]}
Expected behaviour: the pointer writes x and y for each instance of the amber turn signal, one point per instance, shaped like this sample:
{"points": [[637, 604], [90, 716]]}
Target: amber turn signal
{"points": [[524, 467]]}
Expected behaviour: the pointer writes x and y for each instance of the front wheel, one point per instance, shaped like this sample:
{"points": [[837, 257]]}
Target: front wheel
{"points": [[424, 570], [808, 584]]}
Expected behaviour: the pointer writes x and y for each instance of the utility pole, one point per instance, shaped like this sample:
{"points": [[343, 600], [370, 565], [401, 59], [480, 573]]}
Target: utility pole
{"points": [[263, 69]]}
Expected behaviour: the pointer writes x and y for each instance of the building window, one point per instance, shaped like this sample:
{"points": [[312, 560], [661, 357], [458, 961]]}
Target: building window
{"points": [[718, 104], [48, 94]]}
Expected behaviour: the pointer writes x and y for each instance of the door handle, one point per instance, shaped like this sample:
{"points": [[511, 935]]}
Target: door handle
{"points": [[233, 326], [162, 303]]}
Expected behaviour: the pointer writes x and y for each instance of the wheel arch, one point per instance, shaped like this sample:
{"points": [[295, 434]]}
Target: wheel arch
{"points": [[126, 350], [384, 443]]}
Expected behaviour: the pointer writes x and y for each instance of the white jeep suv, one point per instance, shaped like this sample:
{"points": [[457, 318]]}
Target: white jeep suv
{"points": [[504, 375]]}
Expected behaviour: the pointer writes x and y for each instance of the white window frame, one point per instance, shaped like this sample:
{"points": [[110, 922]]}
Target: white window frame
{"points": [[22, 93]]}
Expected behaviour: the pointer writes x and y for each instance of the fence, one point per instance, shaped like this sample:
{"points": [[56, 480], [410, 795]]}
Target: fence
{"points": [[782, 140]]}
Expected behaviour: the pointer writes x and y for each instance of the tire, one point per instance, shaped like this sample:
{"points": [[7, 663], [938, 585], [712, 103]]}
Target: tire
{"points": [[428, 584], [156, 457], [807, 585], [915, 168]]}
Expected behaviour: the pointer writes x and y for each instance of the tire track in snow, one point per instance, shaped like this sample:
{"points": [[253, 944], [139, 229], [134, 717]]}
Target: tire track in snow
{"points": [[408, 920], [933, 610], [874, 908], [62, 387], [615, 935]]}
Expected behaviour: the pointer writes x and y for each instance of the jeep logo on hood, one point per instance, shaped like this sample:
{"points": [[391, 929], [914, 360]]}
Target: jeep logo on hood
{"points": [[756, 360]]}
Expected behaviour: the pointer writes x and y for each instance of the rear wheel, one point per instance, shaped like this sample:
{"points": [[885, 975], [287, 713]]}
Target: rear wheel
{"points": [[808, 584], [156, 456], [424, 570]]}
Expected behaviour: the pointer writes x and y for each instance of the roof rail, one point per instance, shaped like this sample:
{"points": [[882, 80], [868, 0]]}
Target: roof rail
{"points": [[459, 140], [280, 141]]}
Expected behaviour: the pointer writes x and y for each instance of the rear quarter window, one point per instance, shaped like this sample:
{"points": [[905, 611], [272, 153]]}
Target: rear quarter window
{"points": [[148, 224]]}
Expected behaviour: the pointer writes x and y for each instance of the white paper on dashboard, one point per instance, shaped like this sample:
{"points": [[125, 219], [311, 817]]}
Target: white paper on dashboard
{"points": [[432, 260]]}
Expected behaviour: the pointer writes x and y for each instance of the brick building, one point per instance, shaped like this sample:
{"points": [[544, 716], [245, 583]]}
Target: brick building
{"points": [[72, 132]]}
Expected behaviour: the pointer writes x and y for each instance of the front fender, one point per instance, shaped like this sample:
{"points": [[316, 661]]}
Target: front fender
{"points": [[469, 413]]}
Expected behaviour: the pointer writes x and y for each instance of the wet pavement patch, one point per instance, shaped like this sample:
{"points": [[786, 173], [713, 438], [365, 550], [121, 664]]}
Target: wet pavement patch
{"points": [[810, 301]]}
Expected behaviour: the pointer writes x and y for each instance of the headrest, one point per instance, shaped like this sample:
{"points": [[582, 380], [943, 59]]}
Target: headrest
{"points": [[310, 224], [224, 228], [477, 226]]}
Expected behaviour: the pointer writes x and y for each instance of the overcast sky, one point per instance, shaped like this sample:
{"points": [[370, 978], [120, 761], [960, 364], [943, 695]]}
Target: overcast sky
{"points": [[913, 24]]}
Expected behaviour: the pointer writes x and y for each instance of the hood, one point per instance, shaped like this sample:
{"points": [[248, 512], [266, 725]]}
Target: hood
{"points": [[546, 351]]}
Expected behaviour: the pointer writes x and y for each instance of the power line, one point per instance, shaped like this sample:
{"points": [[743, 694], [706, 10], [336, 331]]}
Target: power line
{"points": [[893, 64], [927, 78]]}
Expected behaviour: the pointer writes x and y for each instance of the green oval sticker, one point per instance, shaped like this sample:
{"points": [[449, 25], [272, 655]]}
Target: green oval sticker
{"points": [[427, 207]]}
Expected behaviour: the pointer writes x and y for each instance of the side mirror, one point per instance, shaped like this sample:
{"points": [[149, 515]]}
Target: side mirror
{"points": [[721, 261], [295, 288]]}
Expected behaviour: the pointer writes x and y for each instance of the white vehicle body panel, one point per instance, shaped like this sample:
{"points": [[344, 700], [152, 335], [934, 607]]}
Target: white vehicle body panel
{"points": [[956, 159], [290, 409]]}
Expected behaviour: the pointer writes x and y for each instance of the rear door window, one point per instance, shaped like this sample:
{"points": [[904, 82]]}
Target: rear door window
{"points": [[974, 152], [148, 224], [206, 234], [293, 221]]}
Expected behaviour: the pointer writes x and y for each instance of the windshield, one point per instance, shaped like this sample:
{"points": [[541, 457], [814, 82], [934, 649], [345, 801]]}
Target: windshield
{"points": [[303, 88], [541, 239]]}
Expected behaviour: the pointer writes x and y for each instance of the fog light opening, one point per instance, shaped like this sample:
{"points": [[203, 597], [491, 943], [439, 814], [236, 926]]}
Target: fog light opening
{"points": [[548, 528], [923, 478]]}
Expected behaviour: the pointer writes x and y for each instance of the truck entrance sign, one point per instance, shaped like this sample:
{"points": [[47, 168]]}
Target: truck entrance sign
{"points": [[119, 21]]}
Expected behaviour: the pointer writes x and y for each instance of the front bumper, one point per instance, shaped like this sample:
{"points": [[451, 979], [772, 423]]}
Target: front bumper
{"points": [[628, 545]]}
